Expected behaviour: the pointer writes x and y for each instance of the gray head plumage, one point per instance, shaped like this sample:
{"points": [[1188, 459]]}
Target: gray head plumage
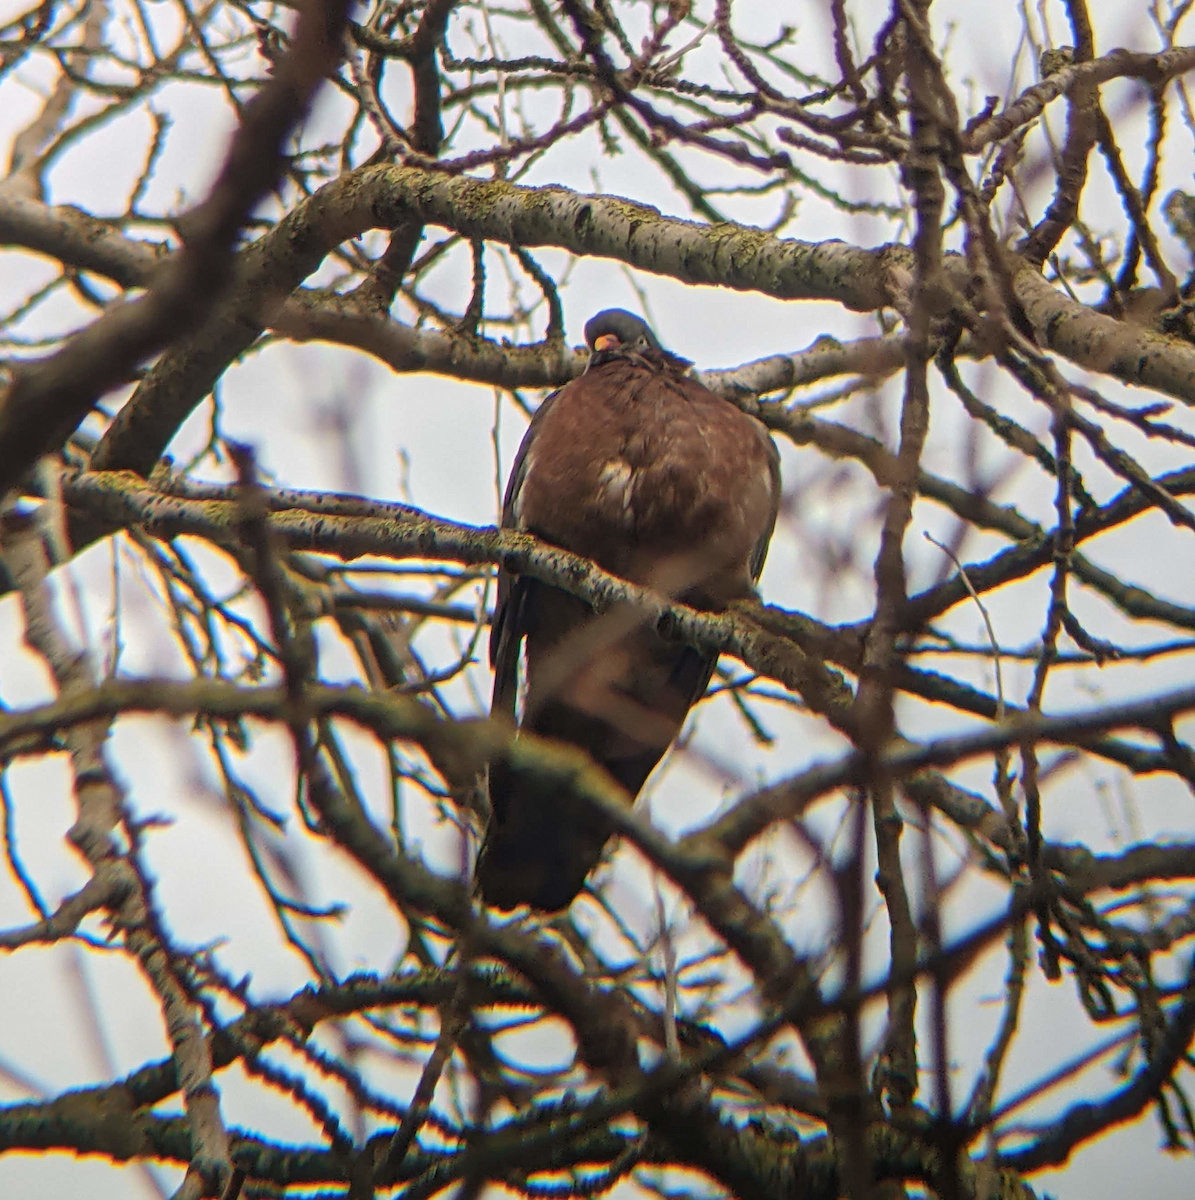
{"points": [[631, 331]]}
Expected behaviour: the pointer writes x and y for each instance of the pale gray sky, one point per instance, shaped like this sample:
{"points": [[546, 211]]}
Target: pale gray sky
{"points": [[278, 400]]}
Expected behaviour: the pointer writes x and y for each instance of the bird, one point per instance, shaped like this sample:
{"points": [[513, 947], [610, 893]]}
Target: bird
{"points": [[639, 467]]}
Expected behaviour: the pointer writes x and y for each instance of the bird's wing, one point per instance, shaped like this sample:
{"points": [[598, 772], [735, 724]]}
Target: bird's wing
{"points": [[694, 669], [515, 593], [760, 553]]}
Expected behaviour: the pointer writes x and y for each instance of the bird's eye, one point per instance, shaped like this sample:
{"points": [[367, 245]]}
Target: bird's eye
{"points": [[642, 341]]}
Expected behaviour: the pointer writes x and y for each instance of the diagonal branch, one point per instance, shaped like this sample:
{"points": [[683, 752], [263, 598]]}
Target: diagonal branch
{"points": [[47, 399]]}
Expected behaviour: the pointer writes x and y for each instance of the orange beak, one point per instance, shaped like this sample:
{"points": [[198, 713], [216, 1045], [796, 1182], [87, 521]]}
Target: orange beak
{"points": [[607, 341]]}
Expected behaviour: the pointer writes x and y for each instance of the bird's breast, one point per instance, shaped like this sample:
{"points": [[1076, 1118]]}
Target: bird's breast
{"points": [[642, 487], [643, 471]]}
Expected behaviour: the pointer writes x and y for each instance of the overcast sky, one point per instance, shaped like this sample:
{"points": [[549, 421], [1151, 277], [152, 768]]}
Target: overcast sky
{"points": [[321, 417]]}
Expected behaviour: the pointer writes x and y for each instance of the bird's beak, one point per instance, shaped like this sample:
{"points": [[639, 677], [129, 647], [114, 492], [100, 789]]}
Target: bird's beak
{"points": [[607, 341]]}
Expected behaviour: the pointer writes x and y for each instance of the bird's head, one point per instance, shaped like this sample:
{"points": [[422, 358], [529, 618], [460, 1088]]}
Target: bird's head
{"points": [[617, 329], [618, 333]]}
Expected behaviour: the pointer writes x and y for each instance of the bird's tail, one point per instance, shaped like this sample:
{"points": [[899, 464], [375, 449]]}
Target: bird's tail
{"points": [[622, 706], [542, 847], [544, 841]]}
